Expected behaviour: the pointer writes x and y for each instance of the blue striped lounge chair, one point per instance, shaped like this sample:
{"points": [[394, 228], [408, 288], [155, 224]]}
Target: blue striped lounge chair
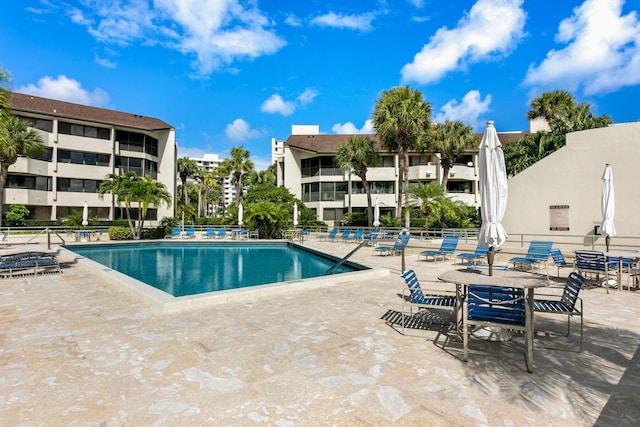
{"points": [[331, 236], [472, 257], [415, 296], [447, 248], [401, 243]]}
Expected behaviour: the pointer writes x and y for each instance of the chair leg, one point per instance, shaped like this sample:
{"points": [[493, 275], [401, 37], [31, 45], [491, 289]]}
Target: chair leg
{"points": [[465, 334]]}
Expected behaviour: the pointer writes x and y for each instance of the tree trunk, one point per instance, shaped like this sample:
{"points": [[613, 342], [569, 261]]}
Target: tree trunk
{"points": [[445, 178], [4, 171], [405, 166], [128, 212], [365, 184], [400, 183]]}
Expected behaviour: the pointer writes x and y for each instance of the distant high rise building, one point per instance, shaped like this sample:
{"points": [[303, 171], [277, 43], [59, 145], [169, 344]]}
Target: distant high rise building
{"points": [[209, 162]]}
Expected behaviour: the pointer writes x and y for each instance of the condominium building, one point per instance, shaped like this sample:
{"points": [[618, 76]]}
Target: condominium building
{"points": [[84, 145], [209, 162], [308, 170]]}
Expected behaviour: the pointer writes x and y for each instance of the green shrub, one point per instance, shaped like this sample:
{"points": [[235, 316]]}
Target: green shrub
{"points": [[154, 233], [120, 233]]}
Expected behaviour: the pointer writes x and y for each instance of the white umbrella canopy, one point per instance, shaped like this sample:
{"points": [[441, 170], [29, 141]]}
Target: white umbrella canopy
{"points": [[295, 214], [376, 214], [85, 215], [608, 205], [493, 189], [240, 214]]}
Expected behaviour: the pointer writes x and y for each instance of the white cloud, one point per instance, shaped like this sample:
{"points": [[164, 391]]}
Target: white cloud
{"points": [[105, 62], [351, 22], [417, 3], [467, 111], [260, 163], [275, 104], [307, 96], [65, 89], [240, 131], [491, 27], [602, 52], [349, 128], [216, 33], [293, 21]]}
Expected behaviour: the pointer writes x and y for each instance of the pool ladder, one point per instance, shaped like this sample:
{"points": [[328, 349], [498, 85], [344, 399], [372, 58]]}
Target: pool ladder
{"points": [[342, 261]]}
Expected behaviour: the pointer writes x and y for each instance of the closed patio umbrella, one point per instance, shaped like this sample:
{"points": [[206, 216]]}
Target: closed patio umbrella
{"points": [[493, 192], [85, 215], [376, 214], [608, 205], [240, 213], [295, 214]]}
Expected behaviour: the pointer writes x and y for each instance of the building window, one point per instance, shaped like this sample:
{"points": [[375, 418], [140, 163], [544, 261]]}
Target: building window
{"points": [[463, 160], [311, 192], [29, 182], [385, 162], [139, 142], [315, 166], [459, 187], [85, 131], [419, 160], [76, 185], [41, 124], [80, 158], [333, 214], [376, 187], [141, 167], [121, 213]]}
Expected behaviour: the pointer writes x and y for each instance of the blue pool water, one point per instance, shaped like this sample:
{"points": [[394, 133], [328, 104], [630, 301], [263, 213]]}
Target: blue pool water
{"points": [[188, 269]]}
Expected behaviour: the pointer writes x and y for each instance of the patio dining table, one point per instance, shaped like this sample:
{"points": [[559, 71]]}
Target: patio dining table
{"points": [[619, 255], [462, 278]]}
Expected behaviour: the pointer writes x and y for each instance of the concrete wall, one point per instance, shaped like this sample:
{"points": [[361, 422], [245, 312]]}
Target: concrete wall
{"points": [[572, 176]]}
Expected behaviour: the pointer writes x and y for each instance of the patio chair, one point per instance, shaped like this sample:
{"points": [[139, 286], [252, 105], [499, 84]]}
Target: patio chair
{"points": [[221, 234], [590, 263], [175, 233], [22, 263], [447, 248], [625, 264], [413, 296], [537, 255], [255, 234], [565, 305], [558, 259], [479, 253], [331, 236], [190, 233], [400, 244], [495, 306], [357, 236], [210, 234], [345, 235]]}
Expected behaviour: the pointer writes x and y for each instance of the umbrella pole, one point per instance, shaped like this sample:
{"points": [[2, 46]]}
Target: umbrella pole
{"points": [[607, 240], [490, 257]]}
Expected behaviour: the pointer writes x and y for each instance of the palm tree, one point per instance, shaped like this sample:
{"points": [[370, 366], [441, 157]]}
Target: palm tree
{"points": [[548, 104], [238, 166], [123, 187], [16, 140], [5, 84], [356, 155], [450, 139], [199, 177], [186, 169], [401, 118], [429, 195], [149, 192], [212, 189]]}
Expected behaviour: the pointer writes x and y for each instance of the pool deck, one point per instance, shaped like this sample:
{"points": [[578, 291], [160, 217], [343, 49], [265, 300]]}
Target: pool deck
{"points": [[77, 350]]}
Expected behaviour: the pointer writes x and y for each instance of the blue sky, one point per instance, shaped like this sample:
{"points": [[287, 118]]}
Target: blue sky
{"points": [[231, 72]]}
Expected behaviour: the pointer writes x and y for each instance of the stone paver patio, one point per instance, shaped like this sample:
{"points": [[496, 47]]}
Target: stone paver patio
{"points": [[75, 350]]}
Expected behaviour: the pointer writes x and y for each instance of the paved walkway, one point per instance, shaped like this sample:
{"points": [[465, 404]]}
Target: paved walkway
{"points": [[75, 350]]}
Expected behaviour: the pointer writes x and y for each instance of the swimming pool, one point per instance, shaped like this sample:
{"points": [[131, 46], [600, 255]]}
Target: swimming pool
{"points": [[188, 269], [178, 275]]}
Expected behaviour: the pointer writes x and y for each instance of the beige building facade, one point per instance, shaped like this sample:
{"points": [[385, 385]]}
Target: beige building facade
{"points": [[561, 194], [84, 145], [307, 169]]}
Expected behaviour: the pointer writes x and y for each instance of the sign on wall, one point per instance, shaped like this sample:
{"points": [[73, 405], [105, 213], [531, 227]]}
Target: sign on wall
{"points": [[559, 217]]}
